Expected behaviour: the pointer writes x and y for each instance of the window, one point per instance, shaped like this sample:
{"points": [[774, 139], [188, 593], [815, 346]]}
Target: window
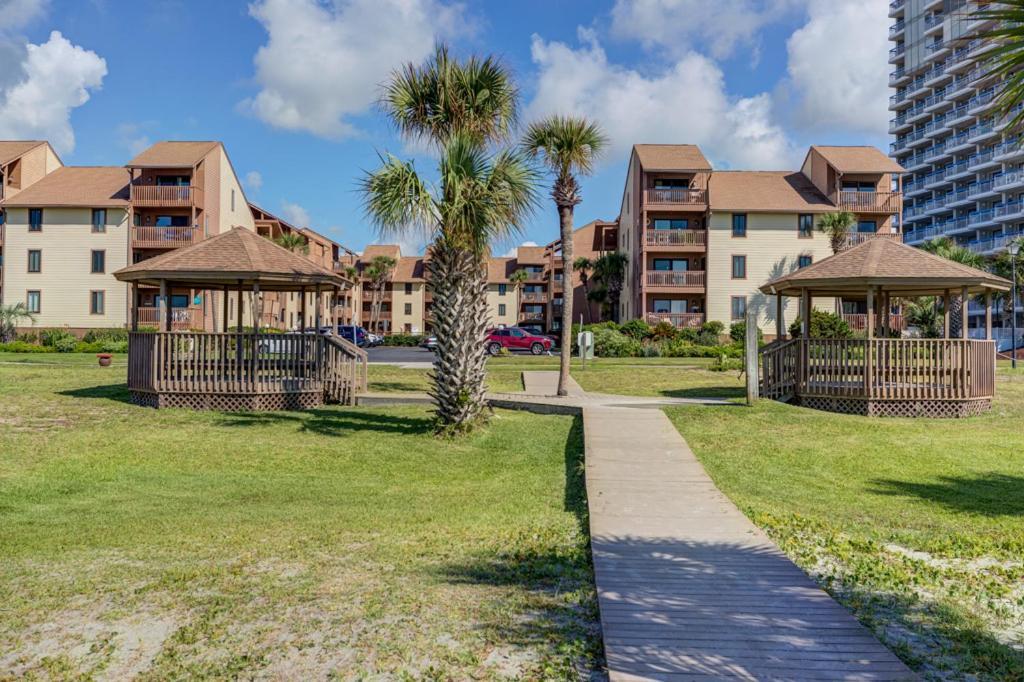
{"points": [[739, 224], [172, 221], [99, 262], [805, 225], [408, 288], [33, 301], [502, 289], [671, 264], [671, 223], [501, 310], [739, 267], [35, 220], [666, 306], [804, 261], [867, 226], [35, 260], [858, 186], [408, 308], [99, 220], [172, 180], [671, 183], [96, 302], [739, 307]]}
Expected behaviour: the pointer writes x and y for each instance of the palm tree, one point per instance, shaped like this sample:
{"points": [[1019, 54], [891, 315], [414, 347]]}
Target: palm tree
{"points": [[293, 242], [950, 250], [10, 316], [837, 227], [465, 110], [1002, 266], [517, 279], [584, 266], [1007, 60], [378, 273], [922, 313], [609, 272], [568, 146]]}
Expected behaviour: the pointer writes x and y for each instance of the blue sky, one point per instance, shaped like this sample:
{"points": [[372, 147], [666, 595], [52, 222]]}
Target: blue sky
{"points": [[288, 85]]}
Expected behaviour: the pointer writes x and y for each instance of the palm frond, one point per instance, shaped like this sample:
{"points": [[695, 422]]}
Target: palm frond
{"points": [[396, 200], [1006, 61], [568, 145]]}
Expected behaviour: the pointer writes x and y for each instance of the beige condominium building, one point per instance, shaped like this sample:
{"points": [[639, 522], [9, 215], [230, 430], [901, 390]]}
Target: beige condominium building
{"points": [[700, 242]]}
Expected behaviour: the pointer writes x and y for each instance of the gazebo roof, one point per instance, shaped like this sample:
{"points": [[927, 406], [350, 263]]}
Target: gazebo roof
{"points": [[885, 263], [237, 258]]}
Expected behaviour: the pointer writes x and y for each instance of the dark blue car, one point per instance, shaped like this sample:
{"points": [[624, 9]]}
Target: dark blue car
{"points": [[353, 333]]}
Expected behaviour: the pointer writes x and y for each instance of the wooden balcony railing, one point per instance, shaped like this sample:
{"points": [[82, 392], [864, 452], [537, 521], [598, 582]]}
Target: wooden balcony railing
{"points": [[857, 238], [534, 297], [677, 320], [181, 318], [676, 238], [150, 237], [859, 321], [685, 197], [686, 279], [867, 202], [166, 195]]}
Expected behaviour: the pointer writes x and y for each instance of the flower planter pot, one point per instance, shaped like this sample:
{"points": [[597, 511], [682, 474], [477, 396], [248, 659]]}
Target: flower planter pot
{"points": [[104, 360]]}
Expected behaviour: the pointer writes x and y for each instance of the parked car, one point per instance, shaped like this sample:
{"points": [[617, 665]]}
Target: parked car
{"points": [[354, 334], [374, 339], [516, 338], [429, 342]]}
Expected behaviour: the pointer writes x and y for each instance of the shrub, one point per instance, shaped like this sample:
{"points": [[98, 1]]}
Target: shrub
{"points": [[54, 337], [101, 335], [738, 333], [112, 346], [824, 325], [29, 337], [637, 329], [723, 363], [707, 338], [713, 327], [650, 350], [403, 340], [664, 330], [24, 347], [67, 344], [611, 343], [85, 347], [680, 348]]}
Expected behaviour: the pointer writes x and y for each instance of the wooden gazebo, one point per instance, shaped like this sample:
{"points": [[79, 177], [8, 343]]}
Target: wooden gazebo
{"points": [[247, 368], [880, 375]]}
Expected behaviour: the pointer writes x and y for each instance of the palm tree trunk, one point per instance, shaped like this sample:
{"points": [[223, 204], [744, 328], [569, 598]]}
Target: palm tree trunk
{"points": [[459, 282], [586, 297], [565, 223]]}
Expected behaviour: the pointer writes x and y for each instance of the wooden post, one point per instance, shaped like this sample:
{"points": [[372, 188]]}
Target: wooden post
{"points": [[257, 307], [302, 309], [750, 357], [135, 307], [316, 314], [886, 315], [945, 314], [805, 314], [780, 318], [963, 312], [224, 313], [165, 308], [868, 355], [988, 315], [241, 309], [870, 326]]}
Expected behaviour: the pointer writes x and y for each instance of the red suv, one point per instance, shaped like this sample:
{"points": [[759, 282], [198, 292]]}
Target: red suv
{"points": [[515, 338]]}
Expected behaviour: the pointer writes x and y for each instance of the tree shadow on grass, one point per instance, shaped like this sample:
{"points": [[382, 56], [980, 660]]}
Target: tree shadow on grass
{"points": [[332, 422], [396, 387], [990, 494], [115, 392], [706, 392]]}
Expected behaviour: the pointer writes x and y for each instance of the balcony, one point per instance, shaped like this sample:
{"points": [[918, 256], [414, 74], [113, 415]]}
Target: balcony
{"points": [[867, 202], [677, 320], [676, 197], [182, 319], [152, 237], [166, 196], [684, 279], [676, 238], [384, 295], [858, 238], [534, 297]]}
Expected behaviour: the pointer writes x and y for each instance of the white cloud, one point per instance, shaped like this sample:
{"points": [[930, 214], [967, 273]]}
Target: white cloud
{"points": [[294, 214], [686, 102], [56, 78], [15, 14], [837, 63], [324, 63], [253, 180], [679, 26], [132, 137]]}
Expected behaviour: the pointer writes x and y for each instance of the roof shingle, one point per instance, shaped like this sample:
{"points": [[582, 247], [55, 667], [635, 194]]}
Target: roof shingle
{"points": [[96, 186], [858, 159], [765, 191], [172, 154], [671, 157], [12, 149]]}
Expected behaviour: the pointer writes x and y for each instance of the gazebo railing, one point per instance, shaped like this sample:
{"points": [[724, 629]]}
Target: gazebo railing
{"points": [[880, 369]]}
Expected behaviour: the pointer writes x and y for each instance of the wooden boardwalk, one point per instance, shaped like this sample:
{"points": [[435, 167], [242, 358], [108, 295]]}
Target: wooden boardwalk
{"points": [[688, 587]]}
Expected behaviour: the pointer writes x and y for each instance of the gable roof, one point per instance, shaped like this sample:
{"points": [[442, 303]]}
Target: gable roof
{"points": [[12, 149], [238, 256], [671, 157], [500, 269], [765, 192], [857, 159], [172, 154], [409, 269], [887, 263], [96, 186], [374, 250]]}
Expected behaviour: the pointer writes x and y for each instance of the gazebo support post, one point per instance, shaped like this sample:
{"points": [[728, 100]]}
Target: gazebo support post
{"points": [[135, 307], [257, 307], [780, 321], [988, 315], [302, 310], [869, 344], [805, 333], [319, 338], [239, 349], [224, 313], [946, 317], [165, 308], [964, 299]]}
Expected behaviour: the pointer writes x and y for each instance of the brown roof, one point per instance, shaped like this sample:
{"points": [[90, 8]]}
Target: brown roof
{"points": [[861, 159], [532, 255], [233, 257], [765, 191], [12, 149], [409, 269], [374, 250], [172, 155], [499, 269], [671, 157], [887, 263], [96, 186]]}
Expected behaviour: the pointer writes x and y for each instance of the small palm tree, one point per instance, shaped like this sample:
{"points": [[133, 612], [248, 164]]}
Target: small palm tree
{"points": [[463, 109], [293, 242], [569, 146], [584, 266], [517, 279], [378, 273], [922, 313], [10, 317], [1007, 60], [950, 250], [837, 227], [609, 273]]}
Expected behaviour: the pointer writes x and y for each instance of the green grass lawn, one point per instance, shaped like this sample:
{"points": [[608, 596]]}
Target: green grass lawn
{"points": [[916, 525], [174, 544]]}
